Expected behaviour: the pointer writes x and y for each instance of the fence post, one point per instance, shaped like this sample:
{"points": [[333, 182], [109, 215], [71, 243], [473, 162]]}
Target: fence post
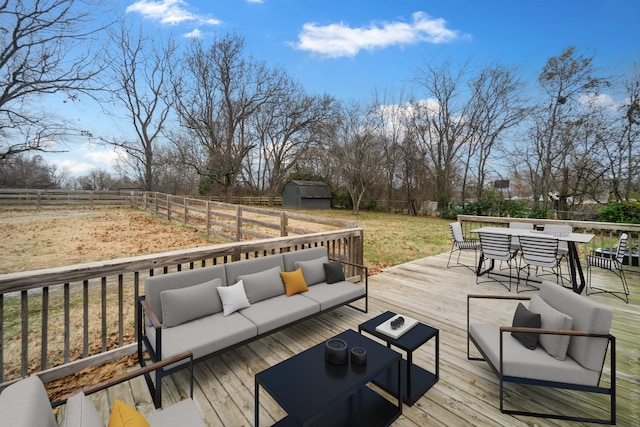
{"points": [[169, 207], [283, 224], [238, 223], [186, 210], [208, 205]]}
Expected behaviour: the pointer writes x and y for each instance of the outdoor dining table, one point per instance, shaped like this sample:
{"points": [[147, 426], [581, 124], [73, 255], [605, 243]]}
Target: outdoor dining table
{"points": [[571, 238]]}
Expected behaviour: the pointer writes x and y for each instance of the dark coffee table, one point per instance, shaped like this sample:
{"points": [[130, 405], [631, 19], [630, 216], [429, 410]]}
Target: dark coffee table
{"points": [[417, 379], [314, 392]]}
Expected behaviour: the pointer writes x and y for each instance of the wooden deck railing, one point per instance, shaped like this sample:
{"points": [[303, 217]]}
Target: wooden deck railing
{"points": [[79, 315], [607, 233], [233, 222]]}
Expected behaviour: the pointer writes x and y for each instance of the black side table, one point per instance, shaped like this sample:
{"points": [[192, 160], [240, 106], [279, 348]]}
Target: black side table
{"points": [[417, 379]]}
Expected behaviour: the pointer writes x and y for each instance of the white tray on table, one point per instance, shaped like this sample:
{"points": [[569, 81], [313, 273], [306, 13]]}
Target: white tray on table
{"points": [[385, 327]]}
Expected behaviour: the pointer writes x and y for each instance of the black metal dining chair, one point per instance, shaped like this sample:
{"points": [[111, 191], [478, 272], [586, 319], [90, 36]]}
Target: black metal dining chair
{"points": [[613, 263], [496, 247]]}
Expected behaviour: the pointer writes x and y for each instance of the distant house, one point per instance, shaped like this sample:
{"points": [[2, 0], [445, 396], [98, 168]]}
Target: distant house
{"points": [[306, 195]]}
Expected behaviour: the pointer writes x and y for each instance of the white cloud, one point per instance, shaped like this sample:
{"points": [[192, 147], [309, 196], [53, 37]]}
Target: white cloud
{"points": [[74, 167], [601, 100], [255, 1], [171, 12], [339, 40], [195, 34]]}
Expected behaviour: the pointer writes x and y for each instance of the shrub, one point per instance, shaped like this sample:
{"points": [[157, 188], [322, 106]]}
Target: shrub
{"points": [[621, 212]]}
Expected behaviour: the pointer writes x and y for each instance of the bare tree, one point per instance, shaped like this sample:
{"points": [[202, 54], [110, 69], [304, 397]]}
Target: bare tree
{"points": [[357, 152], [440, 125], [140, 77], [45, 48], [216, 92], [285, 130]]}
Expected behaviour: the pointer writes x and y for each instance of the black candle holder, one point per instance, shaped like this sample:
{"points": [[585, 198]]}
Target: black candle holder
{"points": [[358, 356], [336, 351]]}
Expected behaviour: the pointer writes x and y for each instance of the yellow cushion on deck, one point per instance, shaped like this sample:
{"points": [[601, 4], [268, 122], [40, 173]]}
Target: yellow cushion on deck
{"points": [[123, 415]]}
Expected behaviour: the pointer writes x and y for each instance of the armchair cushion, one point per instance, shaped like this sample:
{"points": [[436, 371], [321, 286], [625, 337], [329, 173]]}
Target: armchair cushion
{"points": [[523, 318], [550, 318], [26, 404], [190, 303], [80, 412]]}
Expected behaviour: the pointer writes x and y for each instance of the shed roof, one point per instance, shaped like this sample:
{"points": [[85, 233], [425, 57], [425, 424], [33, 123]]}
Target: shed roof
{"points": [[313, 189]]}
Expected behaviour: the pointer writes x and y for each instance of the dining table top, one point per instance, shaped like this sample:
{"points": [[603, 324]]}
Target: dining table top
{"points": [[567, 237]]}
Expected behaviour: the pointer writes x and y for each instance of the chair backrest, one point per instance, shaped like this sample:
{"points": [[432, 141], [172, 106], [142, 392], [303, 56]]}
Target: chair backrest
{"points": [[456, 232], [558, 230], [622, 248], [539, 250], [495, 245], [521, 225]]}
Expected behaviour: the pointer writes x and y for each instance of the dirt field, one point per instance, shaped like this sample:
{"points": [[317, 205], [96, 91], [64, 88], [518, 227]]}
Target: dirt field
{"points": [[40, 239]]}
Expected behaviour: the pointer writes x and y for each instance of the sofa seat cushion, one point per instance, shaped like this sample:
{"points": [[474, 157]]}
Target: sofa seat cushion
{"points": [[204, 336], [275, 312], [26, 404], [332, 295], [183, 413], [524, 363]]}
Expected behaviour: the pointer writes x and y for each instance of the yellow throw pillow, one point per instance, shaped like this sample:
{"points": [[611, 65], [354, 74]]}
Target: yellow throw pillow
{"points": [[293, 282], [123, 415]]}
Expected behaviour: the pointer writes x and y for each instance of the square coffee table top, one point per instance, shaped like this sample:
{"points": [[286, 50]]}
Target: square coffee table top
{"points": [[305, 384], [409, 341]]}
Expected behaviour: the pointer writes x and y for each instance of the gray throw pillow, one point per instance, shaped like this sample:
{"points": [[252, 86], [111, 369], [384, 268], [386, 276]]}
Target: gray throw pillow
{"points": [[80, 412], [193, 302], [523, 318], [263, 285], [550, 318], [334, 272], [313, 270]]}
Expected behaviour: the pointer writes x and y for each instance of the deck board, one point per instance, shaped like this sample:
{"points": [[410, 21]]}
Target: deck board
{"points": [[467, 393]]}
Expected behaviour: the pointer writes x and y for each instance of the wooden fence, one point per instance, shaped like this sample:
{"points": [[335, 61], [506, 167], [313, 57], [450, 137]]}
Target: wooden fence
{"points": [[234, 222], [59, 320], [606, 233]]}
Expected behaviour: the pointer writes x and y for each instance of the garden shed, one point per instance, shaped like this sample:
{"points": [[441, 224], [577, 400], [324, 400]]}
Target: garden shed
{"points": [[306, 195]]}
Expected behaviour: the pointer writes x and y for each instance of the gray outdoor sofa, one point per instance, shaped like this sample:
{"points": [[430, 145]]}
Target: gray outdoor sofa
{"points": [[566, 349], [183, 311]]}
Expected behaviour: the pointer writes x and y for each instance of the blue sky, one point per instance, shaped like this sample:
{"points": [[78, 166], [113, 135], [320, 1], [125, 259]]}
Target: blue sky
{"points": [[350, 48]]}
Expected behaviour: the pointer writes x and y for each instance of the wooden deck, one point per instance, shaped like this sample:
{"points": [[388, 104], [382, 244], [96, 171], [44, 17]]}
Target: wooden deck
{"points": [[467, 393]]}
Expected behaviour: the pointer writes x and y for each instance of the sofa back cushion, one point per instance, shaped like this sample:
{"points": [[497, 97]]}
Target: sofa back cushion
{"points": [[313, 270], [290, 258], [189, 303], [588, 316], [26, 404], [263, 284], [154, 286]]}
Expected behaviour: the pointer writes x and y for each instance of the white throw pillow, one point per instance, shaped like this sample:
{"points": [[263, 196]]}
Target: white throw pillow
{"points": [[550, 318], [233, 298]]}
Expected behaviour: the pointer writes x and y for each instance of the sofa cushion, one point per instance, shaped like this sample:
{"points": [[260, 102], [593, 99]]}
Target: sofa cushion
{"points": [[329, 296], [263, 285], [253, 265], [80, 412], [294, 282], [280, 311], [153, 286], [26, 404], [183, 413], [189, 303], [518, 361], [204, 336], [523, 318], [334, 272], [290, 258], [550, 318], [313, 270], [123, 415], [233, 298], [587, 315]]}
